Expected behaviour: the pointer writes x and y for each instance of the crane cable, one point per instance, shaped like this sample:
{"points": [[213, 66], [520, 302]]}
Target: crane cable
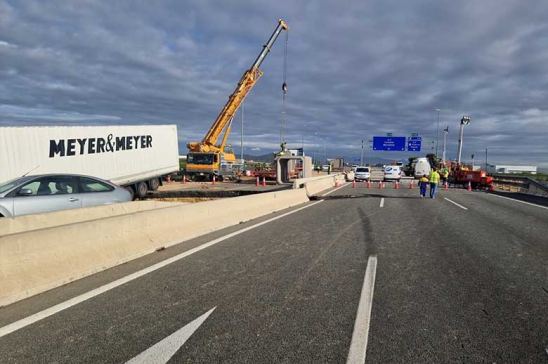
{"points": [[284, 92]]}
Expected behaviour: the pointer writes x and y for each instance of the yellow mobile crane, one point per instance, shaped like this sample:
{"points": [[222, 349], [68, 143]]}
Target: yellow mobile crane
{"points": [[208, 158]]}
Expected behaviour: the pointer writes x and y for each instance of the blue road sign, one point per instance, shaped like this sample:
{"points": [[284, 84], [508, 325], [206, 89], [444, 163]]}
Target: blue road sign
{"points": [[389, 143], [414, 144]]}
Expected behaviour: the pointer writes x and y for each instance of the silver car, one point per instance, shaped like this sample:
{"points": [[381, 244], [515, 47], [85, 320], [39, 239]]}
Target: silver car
{"points": [[362, 174], [53, 192]]}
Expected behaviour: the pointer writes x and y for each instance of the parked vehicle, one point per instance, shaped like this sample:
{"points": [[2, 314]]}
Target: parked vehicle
{"points": [[362, 174], [422, 167], [392, 173], [53, 192], [134, 156]]}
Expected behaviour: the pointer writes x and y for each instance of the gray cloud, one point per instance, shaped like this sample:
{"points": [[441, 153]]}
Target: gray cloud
{"points": [[356, 69]]}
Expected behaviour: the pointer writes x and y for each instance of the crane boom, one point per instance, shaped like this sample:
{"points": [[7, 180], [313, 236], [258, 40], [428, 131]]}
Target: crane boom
{"points": [[248, 80]]}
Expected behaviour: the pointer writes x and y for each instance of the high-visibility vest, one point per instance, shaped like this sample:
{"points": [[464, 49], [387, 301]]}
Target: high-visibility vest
{"points": [[445, 172], [434, 177]]}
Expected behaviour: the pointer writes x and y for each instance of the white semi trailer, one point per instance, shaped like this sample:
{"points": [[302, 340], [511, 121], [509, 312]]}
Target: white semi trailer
{"points": [[134, 156]]}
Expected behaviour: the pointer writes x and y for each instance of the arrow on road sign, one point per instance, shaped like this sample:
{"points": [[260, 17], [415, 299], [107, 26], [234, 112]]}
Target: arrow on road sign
{"points": [[163, 350]]}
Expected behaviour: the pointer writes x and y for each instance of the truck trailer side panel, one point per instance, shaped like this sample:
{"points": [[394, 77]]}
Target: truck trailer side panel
{"points": [[121, 154]]}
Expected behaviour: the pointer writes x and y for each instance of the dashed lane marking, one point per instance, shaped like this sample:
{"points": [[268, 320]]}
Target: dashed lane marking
{"points": [[456, 204], [358, 345]]}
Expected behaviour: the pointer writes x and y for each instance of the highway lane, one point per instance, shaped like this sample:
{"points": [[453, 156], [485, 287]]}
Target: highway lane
{"points": [[452, 285]]}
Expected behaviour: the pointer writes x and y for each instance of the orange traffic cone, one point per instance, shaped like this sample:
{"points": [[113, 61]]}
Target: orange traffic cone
{"points": [[411, 185], [383, 185], [380, 184], [469, 186], [354, 183], [446, 186], [213, 180], [368, 184], [184, 179], [264, 181], [257, 182]]}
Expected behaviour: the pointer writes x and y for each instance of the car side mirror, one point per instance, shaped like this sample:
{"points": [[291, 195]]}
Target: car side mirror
{"points": [[25, 192]]}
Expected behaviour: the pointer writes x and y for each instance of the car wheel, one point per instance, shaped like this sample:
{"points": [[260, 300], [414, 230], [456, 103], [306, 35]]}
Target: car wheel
{"points": [[131, 191], [141, 190], [153, 184]]}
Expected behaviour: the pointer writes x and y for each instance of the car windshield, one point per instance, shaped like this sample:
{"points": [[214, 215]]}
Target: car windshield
{"points": [[201, 158], [362, 170], [6, 186]]}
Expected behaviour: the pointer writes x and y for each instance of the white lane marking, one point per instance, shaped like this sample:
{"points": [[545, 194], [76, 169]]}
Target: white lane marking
{"points": [[513, 199], [336, 189], [456, 204], [107, 287], [358, 345], [382, 202], [163, 350]]}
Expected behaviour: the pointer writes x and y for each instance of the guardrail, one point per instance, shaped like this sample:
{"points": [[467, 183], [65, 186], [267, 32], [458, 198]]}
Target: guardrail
{"points": [[520, 184]]}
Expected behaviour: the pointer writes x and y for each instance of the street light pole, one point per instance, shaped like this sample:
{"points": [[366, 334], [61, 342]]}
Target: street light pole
{"points": [[361, 157], [464, 121], [242, 137], [437, 131], [485, 159], [445, 132]]}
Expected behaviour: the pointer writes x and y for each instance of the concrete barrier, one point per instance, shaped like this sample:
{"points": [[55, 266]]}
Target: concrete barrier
{"points": [[350, 176], [35, 261], [57, 218], [315, 185]]}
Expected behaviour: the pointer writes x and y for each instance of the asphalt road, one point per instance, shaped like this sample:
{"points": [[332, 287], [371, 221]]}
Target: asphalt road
{"points": [[462, 284]]}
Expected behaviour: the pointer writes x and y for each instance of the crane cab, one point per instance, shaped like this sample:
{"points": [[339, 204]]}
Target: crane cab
{"points": [[203, 166]]}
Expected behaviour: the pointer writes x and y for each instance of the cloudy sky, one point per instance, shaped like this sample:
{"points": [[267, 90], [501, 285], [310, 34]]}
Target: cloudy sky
{"points": [[355, 69]]}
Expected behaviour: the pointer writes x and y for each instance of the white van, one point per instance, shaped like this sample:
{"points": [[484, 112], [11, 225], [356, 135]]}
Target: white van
{"points": [[422, 167], [392, 173]]}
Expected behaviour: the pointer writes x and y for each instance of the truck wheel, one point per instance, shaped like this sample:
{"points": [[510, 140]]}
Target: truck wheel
{"points": [[141, 190], [153, 184]]}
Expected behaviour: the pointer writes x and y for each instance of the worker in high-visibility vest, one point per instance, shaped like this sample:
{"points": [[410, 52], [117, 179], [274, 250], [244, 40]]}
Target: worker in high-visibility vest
{"points": [[444, 174], [434, 181], [423, 185]]}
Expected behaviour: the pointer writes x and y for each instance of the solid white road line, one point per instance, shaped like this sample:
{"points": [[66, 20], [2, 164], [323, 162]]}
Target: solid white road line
{"points": [[382, 202], [513, 199], [358, 345], [162, 351], [107, 287], [336, 189], [456, 204]]}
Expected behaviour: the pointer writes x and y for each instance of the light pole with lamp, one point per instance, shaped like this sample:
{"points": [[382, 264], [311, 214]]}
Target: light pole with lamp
{"points": [[464, 121], [437, 131], [445, 132], [361, 157]]}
